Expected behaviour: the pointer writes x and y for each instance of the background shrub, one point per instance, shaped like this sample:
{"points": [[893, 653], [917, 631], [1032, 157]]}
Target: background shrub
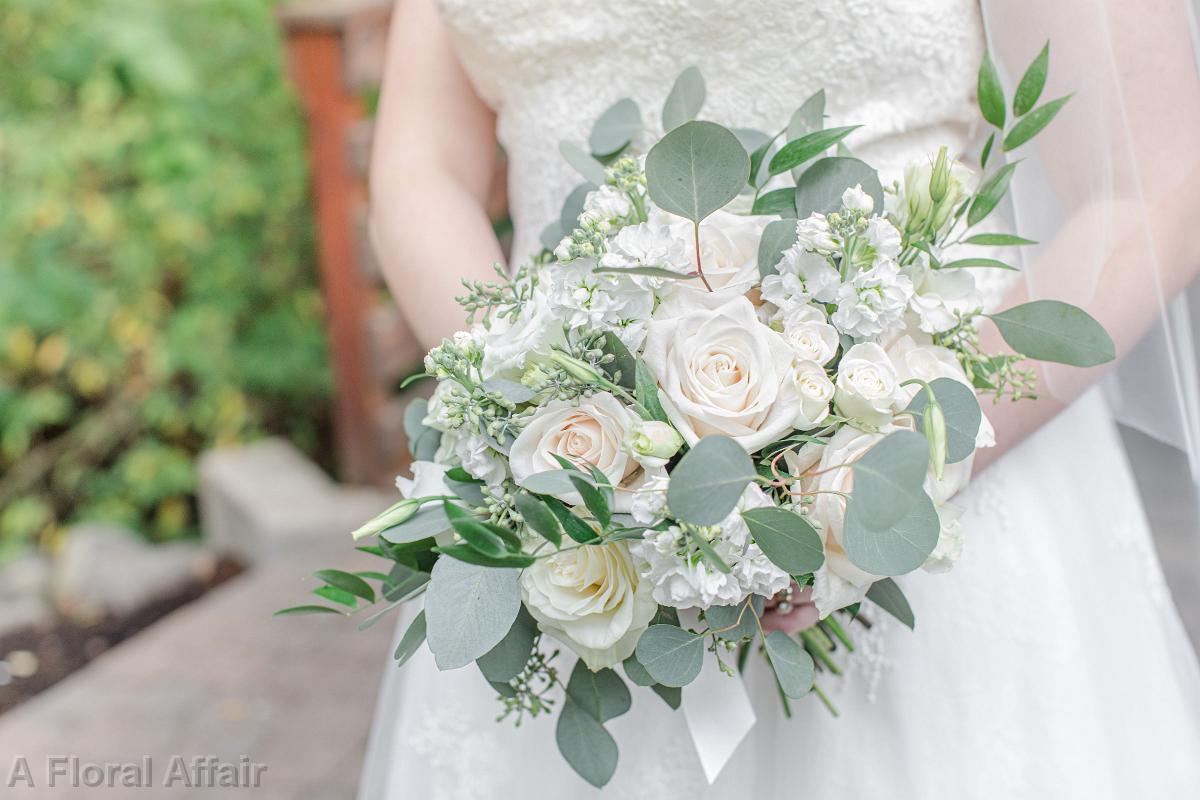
{"points": [[157, 288]]}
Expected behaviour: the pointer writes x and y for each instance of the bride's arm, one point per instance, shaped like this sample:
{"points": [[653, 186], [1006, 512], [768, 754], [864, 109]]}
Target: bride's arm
{"points": [[431, 170], [1146, 221]]}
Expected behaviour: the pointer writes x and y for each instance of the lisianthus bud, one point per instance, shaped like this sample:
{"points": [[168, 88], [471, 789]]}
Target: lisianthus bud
{"points": [[939, 180], [400, 513], [579, 370], [654, 439], [935, 432]]}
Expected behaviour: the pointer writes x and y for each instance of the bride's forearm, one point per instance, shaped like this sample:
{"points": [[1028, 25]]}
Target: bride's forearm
{"points": [[1155, 257]]}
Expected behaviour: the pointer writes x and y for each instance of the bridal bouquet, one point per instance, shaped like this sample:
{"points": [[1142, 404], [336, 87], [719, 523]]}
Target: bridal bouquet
{"points": [[727, 404]]}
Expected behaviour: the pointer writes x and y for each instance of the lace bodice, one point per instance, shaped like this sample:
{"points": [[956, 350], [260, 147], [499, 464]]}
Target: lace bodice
{"points": [[904, 70]]}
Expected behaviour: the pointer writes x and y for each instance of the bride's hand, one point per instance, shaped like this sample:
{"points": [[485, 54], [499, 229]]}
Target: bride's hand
{"points": [[790, 615]]}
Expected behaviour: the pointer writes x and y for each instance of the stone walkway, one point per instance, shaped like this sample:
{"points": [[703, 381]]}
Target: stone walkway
{"points": [[219, 678]]}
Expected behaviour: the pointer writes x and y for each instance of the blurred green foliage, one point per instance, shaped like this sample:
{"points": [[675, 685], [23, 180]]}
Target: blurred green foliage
{"points": [[157, 288]]}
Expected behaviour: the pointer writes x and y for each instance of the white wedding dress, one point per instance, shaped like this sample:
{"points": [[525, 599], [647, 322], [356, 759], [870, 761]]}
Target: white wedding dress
{"points": [[1049, 663]]}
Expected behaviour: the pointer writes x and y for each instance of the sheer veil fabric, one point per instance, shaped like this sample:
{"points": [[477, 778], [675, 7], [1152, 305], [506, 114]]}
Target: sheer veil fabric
{"points": [[1051, 660]]}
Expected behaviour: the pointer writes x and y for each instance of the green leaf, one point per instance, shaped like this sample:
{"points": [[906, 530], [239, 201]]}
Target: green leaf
{"points": [[512, 391], [685, 100], [1050, 330], [1033, 122], [551, 235], [887, 595], [896, 548], [539, 518], [593, 500], [335, 595], [696, 169], [709, 554], [987, 150], [474, 532], [1030, 87], [967, 263], [635, 671], [709, 480], [602, 694], [788, 539], [423, 441], [647, 392], [429, 521], [587, 166], [737, 621], [888, 479], [758, 156], [552, 481], [998, 240], [796, 152], [792, 664], [469, 609], [615, 128], [778, 236], [575, 527], [573, 206], [461, 484], [820, 188], [809, 117], [671, 655], [411, 641], [623, 368], [585, 744], [990, 194], [347, 583], [779, 201], [671, 695], [991, 93], [508, 658], [961, 409], [296, 611], [469, 555]]}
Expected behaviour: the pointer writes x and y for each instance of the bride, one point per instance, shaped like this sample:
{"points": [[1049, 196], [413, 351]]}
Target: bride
{"points": [[1043, 665]]}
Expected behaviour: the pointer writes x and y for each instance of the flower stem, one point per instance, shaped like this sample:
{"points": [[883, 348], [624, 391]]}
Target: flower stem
{"points": [[699, 268], [825, 699]]}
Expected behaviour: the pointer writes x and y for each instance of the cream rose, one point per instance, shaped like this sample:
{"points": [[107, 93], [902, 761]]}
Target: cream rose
{"points": [[868, 390], [815, 389], [592, 600], [724, 372], [590, 430], [809, 334]]}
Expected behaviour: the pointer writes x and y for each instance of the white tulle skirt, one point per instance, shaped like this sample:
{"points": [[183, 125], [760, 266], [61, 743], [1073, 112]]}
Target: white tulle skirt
{"points": [[1049, 663]]}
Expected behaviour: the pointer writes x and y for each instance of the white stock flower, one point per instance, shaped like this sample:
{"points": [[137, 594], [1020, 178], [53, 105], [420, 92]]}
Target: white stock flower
{"points": [[605, 302], [868, 390], [684, 580], [479, 458], [815, 389], [809, 334], [653, 243], [588, 430], [605, 204], [650, 500], [801, 278], [508, 343], [873, 302], [723, 372], [592, 600], [856, 199], [814, 233], [883, 236], [940, 293]]}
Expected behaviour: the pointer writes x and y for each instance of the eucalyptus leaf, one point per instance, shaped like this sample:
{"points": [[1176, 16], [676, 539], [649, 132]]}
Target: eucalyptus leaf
{"points": [[587, 166], [411, 641], [990, 194], [508, 658], [468, 610], [820, 188], [1050, 330], [777, 237], [615, 128], [960, 407], [671, 655], [790, 540], [792, 664], [737, 621], [551, 235], [810, 145], [897, 548], [585, 744], [696, 169], [602, 693], [778, 201], [423, 441], [809, 117], [573, 206], [510, 390], [751, 139], [554, 482], [1032, 82], [461, 484], [887, 595], [888, 479], [991, 93], [1032, 123], [636, 672], [685, 100], [709, 480], [539, 518], [429, 521], [671, 695]]}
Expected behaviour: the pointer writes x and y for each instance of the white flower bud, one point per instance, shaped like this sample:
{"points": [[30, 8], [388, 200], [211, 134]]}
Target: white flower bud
{"points": [[398, 514], [653, 439]]}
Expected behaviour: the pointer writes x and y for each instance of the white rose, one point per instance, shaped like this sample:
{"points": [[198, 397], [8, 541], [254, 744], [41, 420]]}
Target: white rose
{"points": [[816, 390], [838, 583], [590, 430], [728, 249], [809, 334], [868, 390], [926, 361], [724, 372], [592, 600]]}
